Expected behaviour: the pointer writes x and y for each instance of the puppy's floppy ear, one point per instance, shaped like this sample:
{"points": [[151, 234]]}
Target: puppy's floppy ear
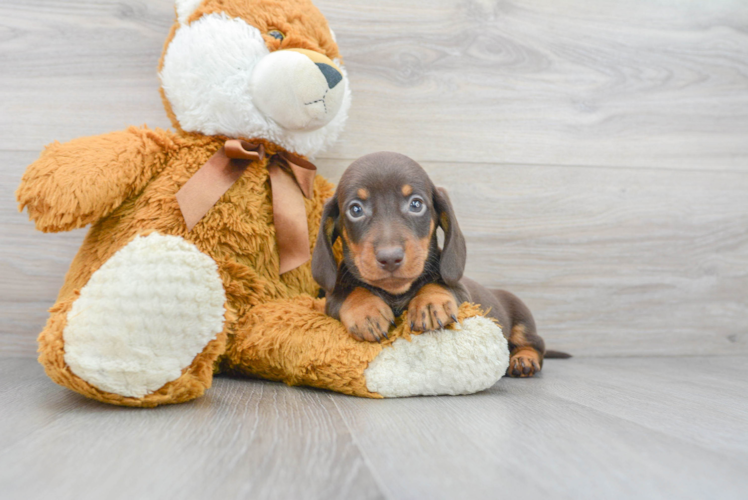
{"points": [[324, 267], [454, 253]]}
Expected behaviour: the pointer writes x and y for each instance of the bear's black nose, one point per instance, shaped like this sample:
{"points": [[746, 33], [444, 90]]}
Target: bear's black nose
{"points": [[332, 75]]}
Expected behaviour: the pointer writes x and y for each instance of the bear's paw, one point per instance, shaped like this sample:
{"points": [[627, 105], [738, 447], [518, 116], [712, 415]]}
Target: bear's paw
{"points": [[144, 315], [446, 361]]}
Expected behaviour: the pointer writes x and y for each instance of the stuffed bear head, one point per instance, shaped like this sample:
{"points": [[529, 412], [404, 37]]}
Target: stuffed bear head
{"points": [[255, 69]]}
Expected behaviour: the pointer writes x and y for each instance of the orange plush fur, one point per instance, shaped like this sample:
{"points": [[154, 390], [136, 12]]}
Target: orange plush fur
{"points": [[124, 183]]}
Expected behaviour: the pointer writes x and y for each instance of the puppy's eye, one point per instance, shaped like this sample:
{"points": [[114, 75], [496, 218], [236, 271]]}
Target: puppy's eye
{"points": [[356, 210], [277, 35], [416, 205]]}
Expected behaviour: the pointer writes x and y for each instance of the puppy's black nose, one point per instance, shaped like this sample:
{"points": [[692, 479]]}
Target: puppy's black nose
{"points": [[332, 75], [390, 258]]}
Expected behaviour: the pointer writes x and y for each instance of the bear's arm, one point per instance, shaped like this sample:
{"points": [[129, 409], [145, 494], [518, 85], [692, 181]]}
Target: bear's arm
{"points": [[77, 183]]}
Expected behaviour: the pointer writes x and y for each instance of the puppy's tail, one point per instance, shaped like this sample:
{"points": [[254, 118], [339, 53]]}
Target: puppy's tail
{"points": [[556, 355]]}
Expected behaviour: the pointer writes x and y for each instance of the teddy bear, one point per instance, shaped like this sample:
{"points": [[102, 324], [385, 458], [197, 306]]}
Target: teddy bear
{"points": [[197, 258]]}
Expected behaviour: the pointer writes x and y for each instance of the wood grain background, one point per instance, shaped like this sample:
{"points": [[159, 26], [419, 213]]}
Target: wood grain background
{"points": [[596, 152], [585, 429]]}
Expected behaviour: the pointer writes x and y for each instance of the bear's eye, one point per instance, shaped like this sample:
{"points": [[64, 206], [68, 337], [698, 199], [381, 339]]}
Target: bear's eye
{"points": [[277, 35]]}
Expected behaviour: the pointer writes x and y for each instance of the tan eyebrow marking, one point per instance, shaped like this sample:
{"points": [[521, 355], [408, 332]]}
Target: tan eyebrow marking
{"points": [[362, 193], [407, 189]]}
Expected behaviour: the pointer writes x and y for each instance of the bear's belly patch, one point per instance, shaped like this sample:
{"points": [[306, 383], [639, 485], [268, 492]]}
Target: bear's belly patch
{"points": [[144, 316]]}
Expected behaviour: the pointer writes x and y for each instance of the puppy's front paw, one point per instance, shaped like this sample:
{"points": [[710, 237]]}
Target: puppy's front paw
{"points": [[366, 316], [433, 307]]}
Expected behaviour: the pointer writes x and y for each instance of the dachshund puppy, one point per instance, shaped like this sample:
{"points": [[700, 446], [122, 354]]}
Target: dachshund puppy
{"points": [[386, 210]]}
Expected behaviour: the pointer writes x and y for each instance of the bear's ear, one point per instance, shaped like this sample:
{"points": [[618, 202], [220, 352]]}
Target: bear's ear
{"points": [[185, 8]]}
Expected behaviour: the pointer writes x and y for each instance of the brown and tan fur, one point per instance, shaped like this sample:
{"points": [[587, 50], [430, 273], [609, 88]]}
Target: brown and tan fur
{"points": [[392, 262]]}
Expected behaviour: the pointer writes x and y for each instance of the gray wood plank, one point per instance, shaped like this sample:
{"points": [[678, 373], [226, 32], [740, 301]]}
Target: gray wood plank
{"points": [[632, 83], [79, 68], [615, 262], [558, 436], [245, 439], [585, 428], [20, 324], [696, 399]]}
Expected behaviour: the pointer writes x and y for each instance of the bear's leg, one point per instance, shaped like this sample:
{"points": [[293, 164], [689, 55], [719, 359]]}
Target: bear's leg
{"points": [[294, 342], [145, 330]]}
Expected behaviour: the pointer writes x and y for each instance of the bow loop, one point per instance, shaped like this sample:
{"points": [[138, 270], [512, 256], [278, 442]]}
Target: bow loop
{"points": [[242, 150], [291, 179]]}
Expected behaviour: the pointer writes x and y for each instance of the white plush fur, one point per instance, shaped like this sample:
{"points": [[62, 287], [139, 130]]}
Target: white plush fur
{"points": [[207, 76], [289, 87], [144, 316], [441, 362], [185, 8]]}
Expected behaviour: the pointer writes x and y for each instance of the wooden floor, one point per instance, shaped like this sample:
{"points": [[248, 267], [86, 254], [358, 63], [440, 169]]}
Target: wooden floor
{"points": [[585, 429], [596, 153]]}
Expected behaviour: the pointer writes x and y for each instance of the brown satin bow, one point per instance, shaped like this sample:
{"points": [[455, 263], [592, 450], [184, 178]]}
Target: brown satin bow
{"points": [[290, 176]]}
